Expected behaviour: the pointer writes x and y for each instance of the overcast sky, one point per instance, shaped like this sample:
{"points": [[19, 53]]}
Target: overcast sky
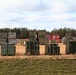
{"points": [[38, 14]]}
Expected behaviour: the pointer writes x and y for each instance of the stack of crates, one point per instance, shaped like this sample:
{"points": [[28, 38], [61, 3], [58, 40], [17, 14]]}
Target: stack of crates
{"points": [[72, 47], [41, 37], [32, 48], [7, 49], [52, 49]]}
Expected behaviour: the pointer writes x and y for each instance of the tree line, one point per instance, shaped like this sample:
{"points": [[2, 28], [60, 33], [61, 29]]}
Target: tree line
{"points": [[63, 31], [23, 33]]}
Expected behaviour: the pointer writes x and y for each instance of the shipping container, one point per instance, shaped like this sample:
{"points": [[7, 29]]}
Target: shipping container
{"points": [[7, 49], [42, 41], [55, 37], [52, 49], [32, 35], [47, 49], [3, 35], [72, 47], [4, 49], [55, 50], [41, 33], [32, 48], [11, 35], [11, 49], [2, 41]]}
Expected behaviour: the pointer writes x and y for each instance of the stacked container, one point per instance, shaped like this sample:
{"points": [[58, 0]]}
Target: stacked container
{"points": [[41, 37], [32, 48], [7, 49], [52, 49], [8, 37], [11, 49], [12, 37], [2, 41], [32, 36], [3, 37], [55, 37], [4, 49], [72, 47]]}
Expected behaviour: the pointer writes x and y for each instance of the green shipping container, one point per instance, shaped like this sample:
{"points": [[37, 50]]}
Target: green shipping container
{"points": [[32, 48], [72, 47], [11, 49], [7, 49], [4, 49], [52, 49], [55, 50], [46, 49]]}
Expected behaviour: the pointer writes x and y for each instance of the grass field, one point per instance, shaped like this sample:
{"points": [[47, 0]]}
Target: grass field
{"points": [[38, 67]]}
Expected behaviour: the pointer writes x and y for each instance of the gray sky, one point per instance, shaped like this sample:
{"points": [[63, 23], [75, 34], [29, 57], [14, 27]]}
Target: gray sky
{"points": [[38, 14]]}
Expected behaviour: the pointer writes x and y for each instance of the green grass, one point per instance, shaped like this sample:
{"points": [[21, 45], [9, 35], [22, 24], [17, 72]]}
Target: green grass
{"points": [[38, 67]]}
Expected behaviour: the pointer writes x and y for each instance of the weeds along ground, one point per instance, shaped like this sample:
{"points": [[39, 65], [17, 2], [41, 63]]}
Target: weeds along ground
{"points": [[38, 67]]}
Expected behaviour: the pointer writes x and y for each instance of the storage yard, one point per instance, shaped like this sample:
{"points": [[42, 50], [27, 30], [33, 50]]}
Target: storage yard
{"points": [[35, 56], [20, 53], [37, 47]]}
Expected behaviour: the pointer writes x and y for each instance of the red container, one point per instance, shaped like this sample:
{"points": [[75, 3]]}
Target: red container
{"points": [[55, 37]]}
